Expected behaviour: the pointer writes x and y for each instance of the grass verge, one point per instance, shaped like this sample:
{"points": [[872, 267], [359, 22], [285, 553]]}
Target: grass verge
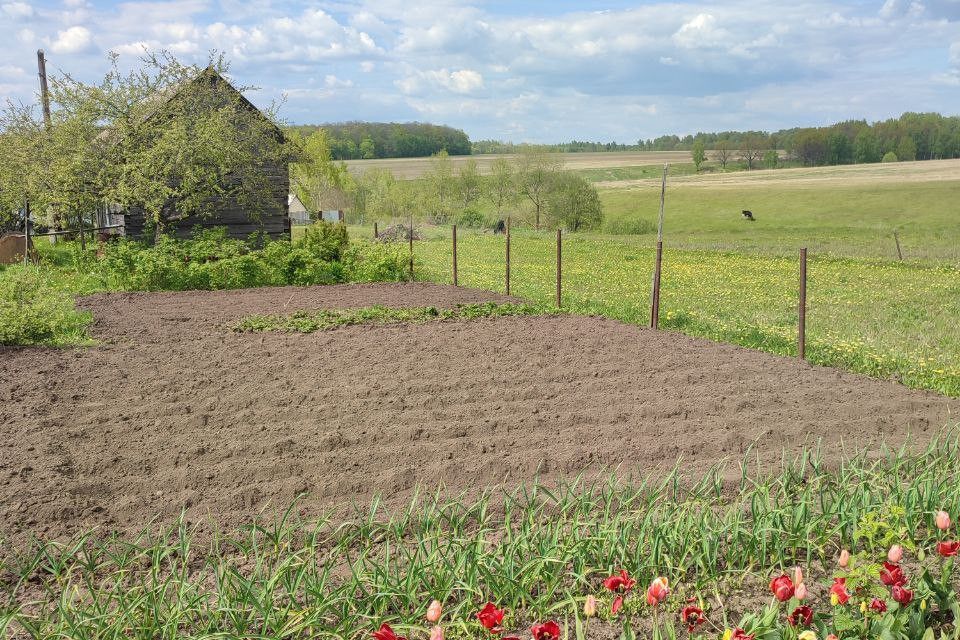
{"points": [[325, 319], [538, 552]]}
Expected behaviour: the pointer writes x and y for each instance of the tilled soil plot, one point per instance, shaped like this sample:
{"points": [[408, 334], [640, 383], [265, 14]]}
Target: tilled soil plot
{"points": [[173, 410]]}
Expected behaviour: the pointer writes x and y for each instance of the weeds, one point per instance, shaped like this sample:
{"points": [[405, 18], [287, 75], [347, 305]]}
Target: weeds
{"points": [[322, 320]]}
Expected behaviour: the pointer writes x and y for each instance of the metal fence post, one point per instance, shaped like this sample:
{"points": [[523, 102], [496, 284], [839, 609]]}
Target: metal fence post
{"points": [[559, 268], [802, 329], [508, 256], [455, 283]]}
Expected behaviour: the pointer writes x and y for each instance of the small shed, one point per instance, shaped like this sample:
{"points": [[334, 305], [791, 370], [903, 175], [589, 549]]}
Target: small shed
{"points": [[297, 210], [334, 215], [274, 223]]}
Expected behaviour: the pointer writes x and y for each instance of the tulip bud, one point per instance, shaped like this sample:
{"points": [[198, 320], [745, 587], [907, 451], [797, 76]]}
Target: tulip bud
{"points": [[844, 559], [832, 637], [800, 593], [434, 611], [798, 576], [943, 520], [436, 633], [590, 607], [895, 555]]}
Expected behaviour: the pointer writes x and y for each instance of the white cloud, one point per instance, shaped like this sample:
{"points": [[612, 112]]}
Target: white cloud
{"points": [[462, 81], [26, 36], [76, 39], [367, 66], [17, 9], [701, 32]]}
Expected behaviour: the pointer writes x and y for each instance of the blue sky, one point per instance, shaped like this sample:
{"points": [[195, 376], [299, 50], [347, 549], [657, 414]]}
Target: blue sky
{"points": [[528, 71]]}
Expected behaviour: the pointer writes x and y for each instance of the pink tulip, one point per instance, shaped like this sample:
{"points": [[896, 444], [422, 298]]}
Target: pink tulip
{"points": [[434, 611], [800, 593], [590, 607], [943, 520], [798, 576], [844, 559], [436, 633], [895, 555]]}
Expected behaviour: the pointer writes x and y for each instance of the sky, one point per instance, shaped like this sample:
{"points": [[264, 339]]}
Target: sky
{"points": [[539, 71]]}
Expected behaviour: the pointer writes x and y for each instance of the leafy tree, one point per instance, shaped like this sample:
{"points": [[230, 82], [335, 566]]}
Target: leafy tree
{"points": [[810, 146], [771, 159], [368, 149], [574, 203], [890, 156], [468, 183], [440, 186], [906, 149], [319, 181], [723, 151], [699, 153], [536, 168], [866, 147], [501, 185]]}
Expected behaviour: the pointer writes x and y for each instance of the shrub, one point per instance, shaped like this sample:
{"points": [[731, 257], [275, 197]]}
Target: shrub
{"points": [[327, 241], [890, 156], [34, 311], [377, 262], [471, 218]]}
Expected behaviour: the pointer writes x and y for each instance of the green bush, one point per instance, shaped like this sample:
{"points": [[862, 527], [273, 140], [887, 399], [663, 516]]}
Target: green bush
{"points": [[890, 156], [34, 311], [377, 262], [325, 240], [472, 218]]}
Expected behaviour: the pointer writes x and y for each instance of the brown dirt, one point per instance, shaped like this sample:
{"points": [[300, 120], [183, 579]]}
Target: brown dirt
{"points": [[172, 410]]}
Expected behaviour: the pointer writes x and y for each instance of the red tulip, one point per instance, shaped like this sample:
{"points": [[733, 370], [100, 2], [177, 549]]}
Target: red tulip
{"points": [[386, 633], [782, 587], [838, 591], [740, 634], [948, 549], [892, 575], [619, 584], [491, 618], [692, 616], [546, 631], [878, 605], [802, 616], [622, 582], [901, 594], [658, 591], [943, 520]]}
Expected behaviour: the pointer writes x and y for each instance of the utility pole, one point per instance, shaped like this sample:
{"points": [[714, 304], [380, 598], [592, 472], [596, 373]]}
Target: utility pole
{"points": [[44, 90]]}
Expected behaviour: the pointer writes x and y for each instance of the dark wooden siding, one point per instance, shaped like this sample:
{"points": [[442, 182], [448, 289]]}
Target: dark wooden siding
{"points": [[232, 216]]}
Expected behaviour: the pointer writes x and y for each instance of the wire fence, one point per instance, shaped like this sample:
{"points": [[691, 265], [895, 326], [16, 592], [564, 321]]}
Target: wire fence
{"points": [[885, 319]]}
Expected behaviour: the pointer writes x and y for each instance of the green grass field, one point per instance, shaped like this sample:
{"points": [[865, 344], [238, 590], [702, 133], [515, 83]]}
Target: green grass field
{"points": [[856, 220], [881, 318]]}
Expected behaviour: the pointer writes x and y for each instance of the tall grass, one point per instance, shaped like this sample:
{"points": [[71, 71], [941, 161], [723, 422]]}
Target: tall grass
{"points": [[537, 551]]}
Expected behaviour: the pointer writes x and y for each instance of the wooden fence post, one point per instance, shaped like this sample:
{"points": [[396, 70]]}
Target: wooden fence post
{"points": [[455, 255], [896, 238], [26, 232], [559, 269], [410, 234], [376, 233], [508, 256], [802, 329], [655, 298]]}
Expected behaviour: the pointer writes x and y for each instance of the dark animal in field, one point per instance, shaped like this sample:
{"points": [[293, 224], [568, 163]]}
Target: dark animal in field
{"points": [[748, 215], [500, 227]]}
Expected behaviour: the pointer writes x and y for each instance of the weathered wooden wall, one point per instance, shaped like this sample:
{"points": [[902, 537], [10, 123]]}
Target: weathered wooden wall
{"points": [[232, 216]]}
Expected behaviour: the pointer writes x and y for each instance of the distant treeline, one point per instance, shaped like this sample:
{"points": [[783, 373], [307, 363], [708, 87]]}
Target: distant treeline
{"points": [[355, 140], [912, 136], [575, 146]]}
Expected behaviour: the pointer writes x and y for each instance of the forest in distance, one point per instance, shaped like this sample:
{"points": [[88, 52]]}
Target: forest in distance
{"points": [[911, 136]]}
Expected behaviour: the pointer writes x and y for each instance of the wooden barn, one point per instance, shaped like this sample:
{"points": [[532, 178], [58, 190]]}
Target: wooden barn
{"points": [[274, 222]]}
